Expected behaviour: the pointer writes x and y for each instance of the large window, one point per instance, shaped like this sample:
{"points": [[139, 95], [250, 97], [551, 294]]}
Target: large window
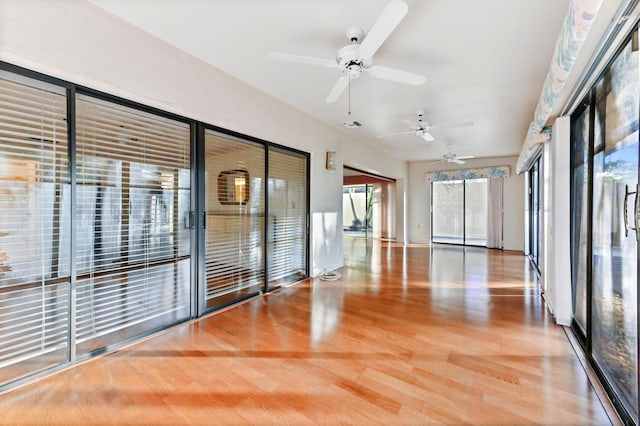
{"points": [[459, 212]]}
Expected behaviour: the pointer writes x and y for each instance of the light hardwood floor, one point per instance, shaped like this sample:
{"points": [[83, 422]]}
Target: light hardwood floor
{"points": [[409, 335]]}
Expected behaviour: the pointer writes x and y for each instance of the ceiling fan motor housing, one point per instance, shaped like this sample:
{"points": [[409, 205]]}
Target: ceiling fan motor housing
{"points": [[349, 60]]}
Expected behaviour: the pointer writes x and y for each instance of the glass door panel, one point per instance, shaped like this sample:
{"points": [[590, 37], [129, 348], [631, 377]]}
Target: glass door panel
{"points": [[615, 260], [534, 249], [355, 209], [235, 219], [287, 237], [475, 212], [133, 248], [447, 212], [34, 224], [579, 220]]}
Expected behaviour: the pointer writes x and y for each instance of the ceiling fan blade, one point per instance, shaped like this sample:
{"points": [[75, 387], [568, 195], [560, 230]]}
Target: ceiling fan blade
{"points": [[307, 60], [460, 124], [406, 132], [337, 90], [427, 136], [405, 77], [456, 160], [386, 23], [466, 157]]}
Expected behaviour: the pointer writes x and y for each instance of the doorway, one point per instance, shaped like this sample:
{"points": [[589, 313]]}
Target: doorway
{"points": [[368, 205]]}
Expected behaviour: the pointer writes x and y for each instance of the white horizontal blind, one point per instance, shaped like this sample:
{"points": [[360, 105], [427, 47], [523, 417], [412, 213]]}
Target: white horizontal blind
{"points": [[287, 235], [234, 264], [34, 214], [133, 187]]}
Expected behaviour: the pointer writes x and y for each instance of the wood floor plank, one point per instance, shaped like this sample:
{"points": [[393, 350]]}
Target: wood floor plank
{"points": [[408, 335]]}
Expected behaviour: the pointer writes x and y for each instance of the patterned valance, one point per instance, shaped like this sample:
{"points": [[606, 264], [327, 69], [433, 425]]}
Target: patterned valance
{"points": [[478, 173], [574, 32]]}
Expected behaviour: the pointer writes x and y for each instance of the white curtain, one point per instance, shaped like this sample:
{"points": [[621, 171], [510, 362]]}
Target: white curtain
{"points": [[494, 213]]}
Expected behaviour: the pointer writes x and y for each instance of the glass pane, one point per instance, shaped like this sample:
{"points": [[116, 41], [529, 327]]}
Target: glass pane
{"points": [[287, 237], [34, 213], [234, 236], [448, 212], [579, 211], [354, 209], [134, 267], [535, 212], [476, 212], [615, 261]]}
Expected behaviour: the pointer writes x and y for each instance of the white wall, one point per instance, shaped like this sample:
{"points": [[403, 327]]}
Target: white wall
{"points": [[79, 42], [419, 195]]}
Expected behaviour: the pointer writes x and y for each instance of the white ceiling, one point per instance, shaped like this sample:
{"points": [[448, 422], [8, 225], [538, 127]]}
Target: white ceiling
{"points": [[485, 61]]}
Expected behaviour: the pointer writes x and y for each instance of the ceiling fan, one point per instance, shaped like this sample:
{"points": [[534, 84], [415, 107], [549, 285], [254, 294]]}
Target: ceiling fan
{"points": [[423, 128], [356, 57], [450, 157]]}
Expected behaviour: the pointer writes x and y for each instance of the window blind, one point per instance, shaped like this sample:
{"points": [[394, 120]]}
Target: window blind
{"points": [[133, 193], [287, 237], [234, 256], [34, 207]]}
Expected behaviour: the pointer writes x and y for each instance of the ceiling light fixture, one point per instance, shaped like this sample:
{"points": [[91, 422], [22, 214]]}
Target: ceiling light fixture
{"points": [[352, 124]]}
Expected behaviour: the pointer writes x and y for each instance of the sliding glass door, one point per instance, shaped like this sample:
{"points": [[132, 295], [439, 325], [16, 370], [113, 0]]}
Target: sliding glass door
{"points": [[233, 219], [475, 212], [459, 212], [580, 214], [133, 253], [119, 220], [287, 218], [447, 212], [255, 218], [614, 248], [535, 212], [34, 218], [357, 210], [606, 228]]}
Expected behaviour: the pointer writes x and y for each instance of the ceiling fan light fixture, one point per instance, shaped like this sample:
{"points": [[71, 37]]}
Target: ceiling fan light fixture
{"points": [[352, 124]]}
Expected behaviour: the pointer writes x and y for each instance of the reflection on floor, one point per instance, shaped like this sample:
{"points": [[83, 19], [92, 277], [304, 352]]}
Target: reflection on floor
{"points": [[409, 335], [469, 241]]}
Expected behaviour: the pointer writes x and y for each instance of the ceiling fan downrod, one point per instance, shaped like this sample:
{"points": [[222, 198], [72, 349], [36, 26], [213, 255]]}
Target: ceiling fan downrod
{"points": [[349, 103]]}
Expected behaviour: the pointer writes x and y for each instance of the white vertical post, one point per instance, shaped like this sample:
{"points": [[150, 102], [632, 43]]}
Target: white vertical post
{"points": [[547, 252], [559, 253]]}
